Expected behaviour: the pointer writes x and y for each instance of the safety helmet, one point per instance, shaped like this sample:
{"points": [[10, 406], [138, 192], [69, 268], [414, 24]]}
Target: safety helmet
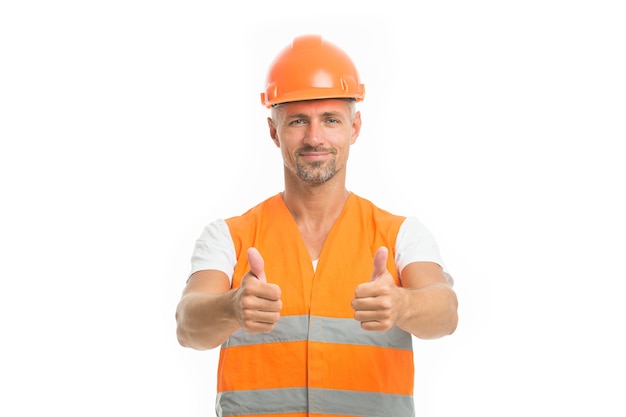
{"points": [[311, 68]]}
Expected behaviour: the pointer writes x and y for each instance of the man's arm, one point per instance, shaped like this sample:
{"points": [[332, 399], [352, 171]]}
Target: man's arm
{"points": [[204, 316], [209, 311], [429, 308], [425, 305]]}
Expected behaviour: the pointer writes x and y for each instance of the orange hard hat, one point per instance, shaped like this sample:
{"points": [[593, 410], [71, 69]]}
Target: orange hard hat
{"points": [[311, 68]]}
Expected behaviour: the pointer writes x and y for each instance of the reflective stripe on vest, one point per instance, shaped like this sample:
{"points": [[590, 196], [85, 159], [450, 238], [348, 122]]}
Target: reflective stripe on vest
{"points": [[323, 329], [294, 400]]}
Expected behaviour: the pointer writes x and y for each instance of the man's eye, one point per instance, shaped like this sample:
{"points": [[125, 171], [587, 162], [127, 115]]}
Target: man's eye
{"points": [[296, 122]]}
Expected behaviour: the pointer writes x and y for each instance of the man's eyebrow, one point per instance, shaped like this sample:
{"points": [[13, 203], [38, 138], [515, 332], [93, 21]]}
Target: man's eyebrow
{"points": [[331, 114], [297, 116]]}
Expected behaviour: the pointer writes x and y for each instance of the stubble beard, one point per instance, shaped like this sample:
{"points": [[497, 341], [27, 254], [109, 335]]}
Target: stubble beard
{"points": [[316, 173]]}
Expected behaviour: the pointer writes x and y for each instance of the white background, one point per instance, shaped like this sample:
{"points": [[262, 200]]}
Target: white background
{"points": [[126, 126]]}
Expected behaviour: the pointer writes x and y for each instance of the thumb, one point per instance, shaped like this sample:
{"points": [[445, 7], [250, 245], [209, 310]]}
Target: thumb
{"points": [[380, 262], [256, 264]]}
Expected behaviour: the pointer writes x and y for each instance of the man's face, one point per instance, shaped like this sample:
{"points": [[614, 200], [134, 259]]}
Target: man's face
{"points": [[315, 137]]}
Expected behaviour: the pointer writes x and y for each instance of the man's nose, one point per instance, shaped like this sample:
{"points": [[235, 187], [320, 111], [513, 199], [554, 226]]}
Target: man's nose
{"points": [[314, 135]]}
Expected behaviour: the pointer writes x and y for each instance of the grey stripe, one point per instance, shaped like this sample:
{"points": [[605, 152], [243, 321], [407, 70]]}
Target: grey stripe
{"points": [[359, 403], [267, 401], [322, 401], [323, 329], [288, 329], [349, 331]]}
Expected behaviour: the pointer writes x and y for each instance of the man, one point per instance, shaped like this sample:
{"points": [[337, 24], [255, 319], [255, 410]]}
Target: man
{"points": [[314, 293]]}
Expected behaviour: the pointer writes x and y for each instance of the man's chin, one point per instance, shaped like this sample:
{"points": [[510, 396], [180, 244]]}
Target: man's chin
{"points": [[315, 180]]}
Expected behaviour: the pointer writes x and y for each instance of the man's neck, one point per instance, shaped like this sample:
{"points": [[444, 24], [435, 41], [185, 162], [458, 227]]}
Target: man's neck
{"points": [[316, 208]]}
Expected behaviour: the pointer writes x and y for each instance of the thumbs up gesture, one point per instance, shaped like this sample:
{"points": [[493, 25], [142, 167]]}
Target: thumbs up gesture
{"points": [[375, 303], [257, 303]]}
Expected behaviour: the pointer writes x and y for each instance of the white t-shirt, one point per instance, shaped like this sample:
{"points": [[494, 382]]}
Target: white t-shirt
{"points": [[214, 249]]}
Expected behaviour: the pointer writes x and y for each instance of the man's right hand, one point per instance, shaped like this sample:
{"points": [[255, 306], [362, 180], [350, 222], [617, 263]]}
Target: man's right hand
{"points": [[257, 303]]}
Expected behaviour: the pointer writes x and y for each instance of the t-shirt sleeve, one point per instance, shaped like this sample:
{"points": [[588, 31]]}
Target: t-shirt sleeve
{"points": [[214, 249], [415, 243]]}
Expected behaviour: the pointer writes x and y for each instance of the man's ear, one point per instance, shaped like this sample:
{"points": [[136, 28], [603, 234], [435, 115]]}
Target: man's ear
{"points": [[273, 132], [356, 127]]}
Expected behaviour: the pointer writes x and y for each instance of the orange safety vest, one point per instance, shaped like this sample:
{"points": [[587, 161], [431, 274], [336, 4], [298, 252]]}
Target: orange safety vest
{"points": [[317, 361]]}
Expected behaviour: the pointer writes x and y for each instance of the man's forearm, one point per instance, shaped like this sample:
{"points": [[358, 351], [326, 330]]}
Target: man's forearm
{"points": [[204, 321], [430, 312]]}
